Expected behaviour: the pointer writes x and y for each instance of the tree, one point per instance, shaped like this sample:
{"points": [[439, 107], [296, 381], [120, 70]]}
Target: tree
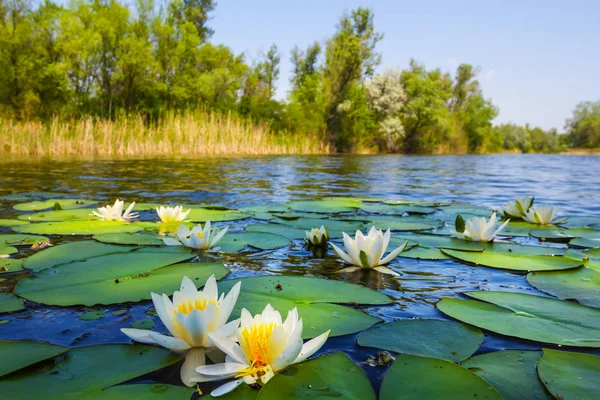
{"points": [[584, 127]]}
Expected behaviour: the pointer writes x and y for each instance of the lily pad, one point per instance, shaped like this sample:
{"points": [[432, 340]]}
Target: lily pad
{"points": [[144, 391], [328, 376], [10, 303], [447, 340], [278, 229], [12, 222], [116, 278], [145, 323], [570, 375], [442, 242], [400, 226], [17, 354], [582, 242], [10, 265], [80, 227], [329, 206], [140, 239], [21, 240], [92, 315], [60, 215], [412, 377], [381, 208], [74, 251], [582, 284], [65, 204], [7, 250], [528, 317], [515, 263], [511, 372], [205, 214], [76, 375], [555, 235], [236, 241], [32, 195], [424, 253], [331, 224], [312, 297]]}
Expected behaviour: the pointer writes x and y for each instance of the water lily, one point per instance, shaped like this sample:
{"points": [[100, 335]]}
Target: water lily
{"points": [[543, 215], [197, 238], [115, 212], [367, 251], [317, 236], [518, 207], [172, 214], [264, 346], [477, 229], [190, 318]]}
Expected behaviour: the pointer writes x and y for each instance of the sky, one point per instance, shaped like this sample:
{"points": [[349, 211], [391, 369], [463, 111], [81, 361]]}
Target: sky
{"points": [[537, 59]]}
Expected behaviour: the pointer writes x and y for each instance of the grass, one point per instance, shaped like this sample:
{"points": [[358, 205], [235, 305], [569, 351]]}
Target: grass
{"points": [[191, 133]]}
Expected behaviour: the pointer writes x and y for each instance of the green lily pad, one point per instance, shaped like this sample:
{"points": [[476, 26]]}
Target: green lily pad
{"points": [[400, 226], [412, 377], [32, 195], [515, 249], [17, 354], [236, 241], [145, 323], [10, 303], [278, 229], [76, 375], [515, 263], [312, 297], [582, 284], [570, 375], [82, 214], [74, 251], [21, 240], [555, 235], [116, 278], [350, 227], [328, 206], [522, 228], [328, 376], [65, 204], [205, 214], [7, 250], [144, 391], [447, 340], [511, 372], [10, 265], [381, 208], [442, 242], [424, 253], [582, 242], [92, 315], [139, 239], [81, 227], [528, 317], [12, 222]]}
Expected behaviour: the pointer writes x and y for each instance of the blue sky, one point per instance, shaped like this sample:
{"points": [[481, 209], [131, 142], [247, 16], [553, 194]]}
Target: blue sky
{"points": [[537, 59]]}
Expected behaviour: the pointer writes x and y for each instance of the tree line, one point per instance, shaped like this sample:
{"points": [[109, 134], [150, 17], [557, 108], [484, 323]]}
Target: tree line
{"points": [[104, 58]]}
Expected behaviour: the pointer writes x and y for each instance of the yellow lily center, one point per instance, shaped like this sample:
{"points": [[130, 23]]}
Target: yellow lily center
{"points": [[200, 234], [189, 306], [255, 344]]}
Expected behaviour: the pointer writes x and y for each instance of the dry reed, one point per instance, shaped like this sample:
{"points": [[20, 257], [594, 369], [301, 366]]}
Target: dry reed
{"points": [[175, 134]]}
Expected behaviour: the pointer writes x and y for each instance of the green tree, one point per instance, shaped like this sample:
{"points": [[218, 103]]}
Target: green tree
{"points": [[584, 127]]}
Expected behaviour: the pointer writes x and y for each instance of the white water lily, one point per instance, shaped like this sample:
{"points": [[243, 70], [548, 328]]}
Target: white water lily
{"points": [[197, 238], [317, 236], [543, 215], [172, 214], [190, 318], [115, 212], [265, 345], [367, 251], [518, 207], [479, 229]]}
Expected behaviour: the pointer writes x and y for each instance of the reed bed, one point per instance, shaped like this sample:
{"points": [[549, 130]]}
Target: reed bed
{"points": [[175, 134]]}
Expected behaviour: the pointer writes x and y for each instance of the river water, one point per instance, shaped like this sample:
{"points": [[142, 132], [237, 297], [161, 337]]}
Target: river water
{"points": [[570, 182]]}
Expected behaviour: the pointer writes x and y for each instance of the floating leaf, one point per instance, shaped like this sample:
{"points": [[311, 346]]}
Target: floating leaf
{"points": [[74, 251], [582, 284], [145, 323], [81, 227], [514, 262], [60, 215], [528, 317], [10, 265], [570, 375], [424, 253], [7, 250], [311, 296], [21, 240], [328, 376], [331, 205], [116, 278], [17, 354], [447, 340], [10, 303], [511, 372], [441, 242], [278, 229], [236, 241], [77, 374], [63, 204], [12, 222], [140, 239], [555, 235], [412, 377], [145, 391], [92, 315], [582, 242], [205, 214]]}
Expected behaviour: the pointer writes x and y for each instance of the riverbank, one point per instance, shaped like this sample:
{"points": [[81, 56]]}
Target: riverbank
{"points": [[191, 133]]}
